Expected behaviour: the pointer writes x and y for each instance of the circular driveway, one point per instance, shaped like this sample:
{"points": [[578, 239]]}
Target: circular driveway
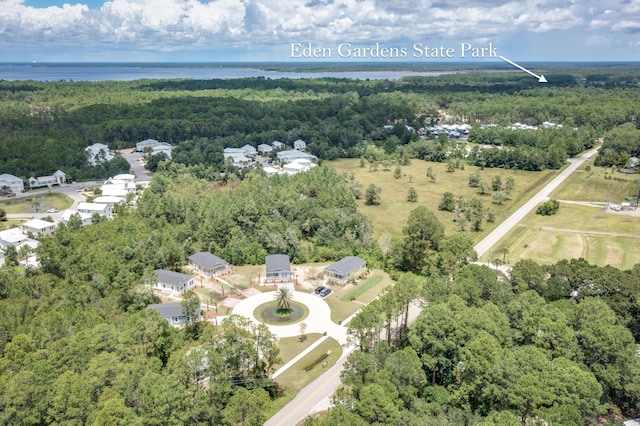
{"points": [[318, 320]]}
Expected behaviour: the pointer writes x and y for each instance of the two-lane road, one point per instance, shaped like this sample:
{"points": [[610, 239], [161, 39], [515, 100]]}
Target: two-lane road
{"points": [[316, 395]]}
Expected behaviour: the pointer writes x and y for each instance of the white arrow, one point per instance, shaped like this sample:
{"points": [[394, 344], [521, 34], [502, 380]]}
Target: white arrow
{"points": [[540, 77]]}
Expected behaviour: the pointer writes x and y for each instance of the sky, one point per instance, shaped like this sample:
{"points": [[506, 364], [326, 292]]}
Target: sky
{"points": [[318, 30]]}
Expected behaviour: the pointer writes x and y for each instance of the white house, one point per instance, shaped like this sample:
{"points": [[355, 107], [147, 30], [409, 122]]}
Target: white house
{"points": [[298, 166], [38, 227], [291, 155], [249, 150], [14, 183], [173, 281], [299, 145], [147, 143], [125, 177], [238, 158], [85, 218], [58, 178], [114, 191], [264, 148], [277, 145], [270, 171], [162, 147], [112, 201], [98, 153], [92, 208], [13, 237]]}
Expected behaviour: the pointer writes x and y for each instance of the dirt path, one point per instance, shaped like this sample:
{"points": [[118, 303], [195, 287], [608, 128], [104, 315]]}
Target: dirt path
{"points": [[580, 231]]}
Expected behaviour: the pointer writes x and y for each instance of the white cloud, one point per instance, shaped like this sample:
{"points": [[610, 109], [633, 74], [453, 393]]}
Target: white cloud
{"points": [[166, 25]]}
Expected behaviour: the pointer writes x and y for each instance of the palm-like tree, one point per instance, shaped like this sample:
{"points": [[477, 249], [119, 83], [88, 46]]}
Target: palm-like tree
{"points": [[283, 299]]}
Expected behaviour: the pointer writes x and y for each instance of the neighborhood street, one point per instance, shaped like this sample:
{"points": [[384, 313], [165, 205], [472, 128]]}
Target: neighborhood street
{"points": [[316, 395]]}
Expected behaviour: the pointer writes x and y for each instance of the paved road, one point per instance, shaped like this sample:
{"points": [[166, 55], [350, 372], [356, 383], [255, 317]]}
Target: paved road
{"points": [[501, 230], [315, 396], [136, 168]]}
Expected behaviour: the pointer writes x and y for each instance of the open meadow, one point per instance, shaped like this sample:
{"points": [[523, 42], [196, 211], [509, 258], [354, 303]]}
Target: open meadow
{"points": [[391, 214], [582, 227]]}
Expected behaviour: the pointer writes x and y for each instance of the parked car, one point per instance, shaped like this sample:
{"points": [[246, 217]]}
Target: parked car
{"points": [[52, 211], [319, 289], [325, 292]]}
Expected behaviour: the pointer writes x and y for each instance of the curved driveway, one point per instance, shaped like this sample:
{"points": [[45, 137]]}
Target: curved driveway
{"points": [[318, 320]]}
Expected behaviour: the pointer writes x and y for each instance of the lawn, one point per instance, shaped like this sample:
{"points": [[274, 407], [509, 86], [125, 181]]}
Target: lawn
{"points": [[10, 223], [290, 347], [391, 215], [36, 204], [340, 301], [598, 184], [575, 231], [305, 371]]}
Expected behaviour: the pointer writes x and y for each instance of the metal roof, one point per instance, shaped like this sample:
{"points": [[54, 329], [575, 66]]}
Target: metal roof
{"points": [[346, 265], [277, 263], [207, 260], [172, 278]]}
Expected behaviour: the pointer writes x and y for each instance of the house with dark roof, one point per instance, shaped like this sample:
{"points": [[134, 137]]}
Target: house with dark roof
{"points": [[174, 281], [278, 267], [345, 269], [208, 264], [173, 312]]}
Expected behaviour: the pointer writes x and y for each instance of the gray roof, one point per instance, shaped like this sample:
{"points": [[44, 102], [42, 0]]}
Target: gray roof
{"points": [[346, 265], [277, 263], [170, 310], [206, 260], [172, 278]]}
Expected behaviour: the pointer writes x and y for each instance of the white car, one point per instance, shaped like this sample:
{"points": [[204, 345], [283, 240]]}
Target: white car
{"points": [[52, 211]]}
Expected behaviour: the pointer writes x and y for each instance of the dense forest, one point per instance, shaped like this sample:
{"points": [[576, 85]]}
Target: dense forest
{"points": [[337, 117], [548, 344]]}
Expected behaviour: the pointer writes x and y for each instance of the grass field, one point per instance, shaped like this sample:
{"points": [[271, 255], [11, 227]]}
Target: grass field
{"points": [[290, 347], [575, 231], [342, 307], [391, 215], [599, 184], [40, 202]]}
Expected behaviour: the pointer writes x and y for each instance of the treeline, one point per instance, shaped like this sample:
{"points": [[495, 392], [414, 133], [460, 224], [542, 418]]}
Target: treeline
{"points": [[48, 125], [551, 345], [77, 344]]}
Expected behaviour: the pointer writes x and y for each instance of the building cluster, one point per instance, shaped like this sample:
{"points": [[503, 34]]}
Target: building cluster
{"points": [[13, 184], [291, 161], [114, 192], [452, 131], [277, 271]]}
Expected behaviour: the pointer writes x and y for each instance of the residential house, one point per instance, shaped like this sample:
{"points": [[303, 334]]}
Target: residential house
{"points": [[208, 264], [174, 281], [288, 156], [264, 148], [110, 200], [126, 178], [114, 191], [14, 183], [85, 218], [298, 166], [237, 155], [93, 208], [162, 147], [173, 312], [147, 143], [38, 227], [344, 269], [14, 237], [58, 178], [98, 153], [270, 171], [249, 150], [300, 145], [278, 267], [277, 145]]}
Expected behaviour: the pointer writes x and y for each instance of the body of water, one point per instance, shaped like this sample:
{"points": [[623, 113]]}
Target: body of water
{"points": [[126, 72]]}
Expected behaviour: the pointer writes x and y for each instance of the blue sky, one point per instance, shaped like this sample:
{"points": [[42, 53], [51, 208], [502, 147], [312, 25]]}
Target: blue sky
{"points": [[278, 30]]}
